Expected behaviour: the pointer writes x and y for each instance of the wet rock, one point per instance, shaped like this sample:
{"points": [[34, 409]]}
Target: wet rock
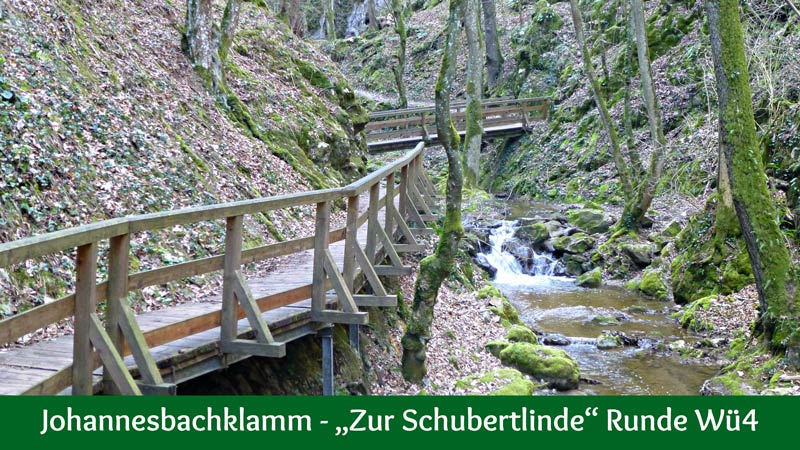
{"points": [[520, 333], [608, 341], [653, 286], [778, 391], [592, 279], [477, 241], [483, 263], [532, 235], [640, 254], [554, 339], [553, 366], [576, 264], [726, 385], [678, 345], [605, 321], [590, 220], [576, 243], [556, 229]]}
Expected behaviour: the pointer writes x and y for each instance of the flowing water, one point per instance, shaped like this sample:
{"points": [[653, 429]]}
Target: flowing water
{"points": [[554, 304]]}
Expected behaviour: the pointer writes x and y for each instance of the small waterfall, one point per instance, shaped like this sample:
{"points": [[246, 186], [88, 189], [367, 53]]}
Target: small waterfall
{"points": [[540, 267]]}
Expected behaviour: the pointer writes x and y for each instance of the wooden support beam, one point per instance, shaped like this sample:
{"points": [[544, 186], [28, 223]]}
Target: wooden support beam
{"points": [[388, 210], [409, 248], [388, 248], [420, 202], [350, 243], [413, 213], [341, 317], [85, 305], [245, 347], [403, 191], [112, 361], [367, 268], [116, 293], [137, 344], [233, 263], [389, 301], [163, 389], [318, 287], [423, 231], [405, 230], [392, 271], [343, 293], [251, 310], [372, 222]]}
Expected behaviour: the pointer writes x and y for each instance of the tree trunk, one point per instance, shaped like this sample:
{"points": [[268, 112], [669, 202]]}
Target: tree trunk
{"points": [[637, 207], [202, 43], [372, 15], [437, 267], [398, 11], [474, 132], [292, 11], [494, 57], [605, 117], [230, 21], [777, 283], [329, 22]]}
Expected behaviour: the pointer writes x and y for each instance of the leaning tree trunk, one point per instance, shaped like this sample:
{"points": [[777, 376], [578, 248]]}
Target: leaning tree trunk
{"points": [[637, 207], [474, 132], [329, 20], [436, 268], [398, 11], [777, 283], [494, 57], [597, 93]]}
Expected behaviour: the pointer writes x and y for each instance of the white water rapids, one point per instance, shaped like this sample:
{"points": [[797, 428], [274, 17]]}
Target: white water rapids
{"points": [[540, 271]]}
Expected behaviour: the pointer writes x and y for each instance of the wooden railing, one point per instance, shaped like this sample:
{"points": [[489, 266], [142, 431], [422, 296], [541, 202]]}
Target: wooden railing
{"points": [[421, 122], [97, 343]]}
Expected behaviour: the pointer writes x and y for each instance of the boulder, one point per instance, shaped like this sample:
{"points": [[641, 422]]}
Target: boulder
{"points": [[640, 254], [555, 339], [520, 333], [553, 366], [607, 341], [576, 243], [590, 220], [575, 264], [591, 279], [533, 235], [653, 286], [483, 263], [495, 347]]}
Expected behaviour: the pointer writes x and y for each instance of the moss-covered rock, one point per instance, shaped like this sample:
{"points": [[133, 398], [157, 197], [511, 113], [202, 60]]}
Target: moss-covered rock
{"points": [[641, 254], [533, 235], [519, 387], [506, 380], [608, 341], [519, 333], [591, 279], [653, 286], [605, 321], [689, 319], [590, 220], [495, 347], [499, 305], [553, 366], [576, 243]]}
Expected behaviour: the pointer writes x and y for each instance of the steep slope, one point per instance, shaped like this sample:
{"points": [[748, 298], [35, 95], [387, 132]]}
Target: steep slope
{"points": [[101, 115]]}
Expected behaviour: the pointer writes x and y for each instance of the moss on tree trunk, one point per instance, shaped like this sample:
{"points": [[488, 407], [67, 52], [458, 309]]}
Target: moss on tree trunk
{"points": [[398, 11], [437, 267], [474, 132]]}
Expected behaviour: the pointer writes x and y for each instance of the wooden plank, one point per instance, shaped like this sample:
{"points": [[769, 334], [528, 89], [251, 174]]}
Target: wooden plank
{"points": [[341, 317], [372, 222], [245, 347], [112, 361], [36, 318], [392, 271], [409, 248], [233, 263], [345, 296], [85, 304], [257, 322], [388, 210], [351, 242], [389, 301]]}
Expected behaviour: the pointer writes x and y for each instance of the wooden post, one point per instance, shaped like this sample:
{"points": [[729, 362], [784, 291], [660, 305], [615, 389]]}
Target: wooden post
{"points": [[117, 292], [327, 360], [349, 266], [372, 224], [403, 189], [425, 136], [388, 212], [233, 262], [85, 305], [321, 240]]}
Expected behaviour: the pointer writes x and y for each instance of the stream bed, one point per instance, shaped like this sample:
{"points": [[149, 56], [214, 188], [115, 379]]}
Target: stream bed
{"points": [[553, 304]]}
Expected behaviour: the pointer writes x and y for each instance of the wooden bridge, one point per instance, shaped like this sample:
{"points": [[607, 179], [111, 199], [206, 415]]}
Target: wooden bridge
{"points": [[405, 128], [118, 352], [152, 352]]}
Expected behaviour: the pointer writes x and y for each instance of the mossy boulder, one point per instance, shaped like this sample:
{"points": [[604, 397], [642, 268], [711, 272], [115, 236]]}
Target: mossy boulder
{"points": [[507, 380], [576, 243], [495, 347], [553, 366], [519, 387], [608, 341], [500, 306], [519, 333], [605, 321], [653, 286], [640, 254], [591, 279], [590, 220], [576, 264], [689, 319], [533, 235]]}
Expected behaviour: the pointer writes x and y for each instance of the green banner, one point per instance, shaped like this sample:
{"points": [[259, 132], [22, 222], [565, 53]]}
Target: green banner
{"points": [[43, 422]]}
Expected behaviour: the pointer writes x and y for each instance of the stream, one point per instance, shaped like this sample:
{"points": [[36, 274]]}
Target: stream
{"points": [[553, 304]]}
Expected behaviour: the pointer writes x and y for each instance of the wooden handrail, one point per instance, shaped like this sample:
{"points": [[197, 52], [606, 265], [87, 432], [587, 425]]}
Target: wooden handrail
{"points": [[457, 105]]}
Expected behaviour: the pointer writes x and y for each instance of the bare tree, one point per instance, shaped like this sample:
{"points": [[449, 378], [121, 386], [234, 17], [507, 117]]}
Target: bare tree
{"points": [[494, 57], [206, 45]]}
